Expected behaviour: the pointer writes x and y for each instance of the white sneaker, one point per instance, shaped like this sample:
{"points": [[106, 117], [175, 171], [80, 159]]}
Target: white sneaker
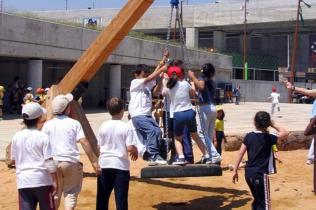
{"points": [[151, 162], [217, 159], [160, 161], [309, 162], [231, 167]]}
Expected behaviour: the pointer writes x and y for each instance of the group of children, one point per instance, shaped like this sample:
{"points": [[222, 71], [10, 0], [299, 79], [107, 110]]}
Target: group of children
{"points": [[54, 169]]}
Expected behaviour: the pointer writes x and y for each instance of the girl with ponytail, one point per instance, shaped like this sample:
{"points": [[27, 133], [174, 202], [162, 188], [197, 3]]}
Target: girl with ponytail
{"points": [[208, 113], [178, 91]]}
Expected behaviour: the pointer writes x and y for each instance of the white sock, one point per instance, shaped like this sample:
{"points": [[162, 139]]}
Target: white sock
{"points": [[206, 156], [181, 156]]}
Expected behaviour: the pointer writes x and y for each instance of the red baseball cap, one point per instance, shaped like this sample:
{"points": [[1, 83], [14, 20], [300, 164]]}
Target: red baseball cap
{"points": [[274, 89], [177, 70]]}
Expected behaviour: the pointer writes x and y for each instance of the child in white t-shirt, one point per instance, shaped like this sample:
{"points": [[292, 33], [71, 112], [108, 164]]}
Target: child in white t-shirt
{"points": [[35, 169], [115, 141], [274, 100], [179, 91], [140, 110]]}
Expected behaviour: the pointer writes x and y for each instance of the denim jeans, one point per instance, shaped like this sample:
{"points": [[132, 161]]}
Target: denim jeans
{"points": [[208, 114], [113, 179], [151, 133]]}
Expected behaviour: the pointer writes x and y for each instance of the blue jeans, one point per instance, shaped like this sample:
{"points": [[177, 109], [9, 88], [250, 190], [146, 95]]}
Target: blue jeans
{"points": [[151, 133], [208, 114], [109, 179]]}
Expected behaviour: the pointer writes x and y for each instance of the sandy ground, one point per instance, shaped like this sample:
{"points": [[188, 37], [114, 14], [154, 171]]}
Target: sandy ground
{"points": [[291, 188]]}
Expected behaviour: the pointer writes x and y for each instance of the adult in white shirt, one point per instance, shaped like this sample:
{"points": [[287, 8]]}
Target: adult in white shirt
{"points": [[64, 134], [36, 176]]}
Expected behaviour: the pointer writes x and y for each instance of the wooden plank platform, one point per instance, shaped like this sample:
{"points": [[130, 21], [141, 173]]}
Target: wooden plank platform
{"points": [[190, 170]]}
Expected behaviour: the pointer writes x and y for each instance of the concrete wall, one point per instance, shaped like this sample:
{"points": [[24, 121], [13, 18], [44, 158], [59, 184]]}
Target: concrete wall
{"points": [[259, 91], [60, 45], [222, 14]]}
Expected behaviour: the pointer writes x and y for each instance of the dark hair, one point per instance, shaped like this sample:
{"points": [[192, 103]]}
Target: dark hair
{"points": [[16, 78], [140, 68], [114, 105], [174, 79], [29, 123], [208, 72], [262, 120], [223, 115]]}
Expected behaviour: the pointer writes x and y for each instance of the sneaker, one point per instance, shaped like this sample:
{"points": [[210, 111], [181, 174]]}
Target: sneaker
{"points": [[217, 159], [309, 162], [171, 160], [207, 160], [179, 161], [230, 167], [160, 161], [146, 155], [151, 162], [202, 161]]}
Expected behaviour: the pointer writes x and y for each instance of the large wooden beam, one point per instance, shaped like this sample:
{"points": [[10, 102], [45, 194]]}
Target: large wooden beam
{"points": [[90, 62]]}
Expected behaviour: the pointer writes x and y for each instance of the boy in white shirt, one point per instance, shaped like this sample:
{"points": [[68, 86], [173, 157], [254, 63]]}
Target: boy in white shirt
{"points": [[35, 168], [140, 110], [115, 141], [274, 100], [64, 134]]}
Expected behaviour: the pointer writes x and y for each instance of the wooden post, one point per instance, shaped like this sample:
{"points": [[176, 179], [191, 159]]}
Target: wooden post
{"points": [[294, 51]]}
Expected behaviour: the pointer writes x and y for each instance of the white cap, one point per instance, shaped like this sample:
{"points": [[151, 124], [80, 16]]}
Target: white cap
{"points": [[46, 89], [60, 103], [29, 88], [31, 111]]}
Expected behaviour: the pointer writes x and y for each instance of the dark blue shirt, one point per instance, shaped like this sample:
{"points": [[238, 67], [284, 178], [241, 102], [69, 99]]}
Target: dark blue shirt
{"points": [[208, 94], [259, 148]]}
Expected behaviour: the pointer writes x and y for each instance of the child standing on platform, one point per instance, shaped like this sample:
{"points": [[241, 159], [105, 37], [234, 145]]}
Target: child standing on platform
{"points": [[274, 100], [179, 91], [140, 109], [115, 141], [258, 146], [219, 134]]}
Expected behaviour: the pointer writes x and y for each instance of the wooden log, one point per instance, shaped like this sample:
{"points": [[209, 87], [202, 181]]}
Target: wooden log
{"points": [[190, 170]]}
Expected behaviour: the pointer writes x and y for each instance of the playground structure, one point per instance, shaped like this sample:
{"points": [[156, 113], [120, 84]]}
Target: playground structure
{"points": [[77, 79]]}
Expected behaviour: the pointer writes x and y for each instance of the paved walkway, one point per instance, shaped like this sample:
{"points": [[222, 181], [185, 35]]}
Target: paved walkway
{"points": [[239, 119]]}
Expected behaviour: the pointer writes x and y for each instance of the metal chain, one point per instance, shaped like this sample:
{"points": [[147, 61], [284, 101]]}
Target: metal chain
{"points": [[185, 53], [169, 28]]}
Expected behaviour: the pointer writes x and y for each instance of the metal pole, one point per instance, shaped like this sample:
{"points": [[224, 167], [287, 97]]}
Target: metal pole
{"points": [[245, 41], [294, 51], [66, 4]]}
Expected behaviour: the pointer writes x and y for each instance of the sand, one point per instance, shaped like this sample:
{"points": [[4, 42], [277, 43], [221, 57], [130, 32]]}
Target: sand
{"points": [[291, 187]]}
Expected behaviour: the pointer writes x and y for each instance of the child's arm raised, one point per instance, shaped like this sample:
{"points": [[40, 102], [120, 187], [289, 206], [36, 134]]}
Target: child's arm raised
{"points": [[282, 133], [199, 84]]}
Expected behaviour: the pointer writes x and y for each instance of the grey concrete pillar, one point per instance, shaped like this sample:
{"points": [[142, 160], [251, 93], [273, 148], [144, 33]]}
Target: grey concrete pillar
{"points": [[248, 43], [192, 37], [219, 41], [34, 74], [266, 44], [115, 74]]}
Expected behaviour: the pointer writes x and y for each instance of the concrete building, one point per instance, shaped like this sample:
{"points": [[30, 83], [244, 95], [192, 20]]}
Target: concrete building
{"points": [[41, 52], [220, 26]]}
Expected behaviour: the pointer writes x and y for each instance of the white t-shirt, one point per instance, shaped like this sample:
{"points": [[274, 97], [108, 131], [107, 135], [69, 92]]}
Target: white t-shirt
{"points": [[30, 148], [139, 139], [180, 97], [141, 99], [275, 97], [113, 138], [64, 134]]}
